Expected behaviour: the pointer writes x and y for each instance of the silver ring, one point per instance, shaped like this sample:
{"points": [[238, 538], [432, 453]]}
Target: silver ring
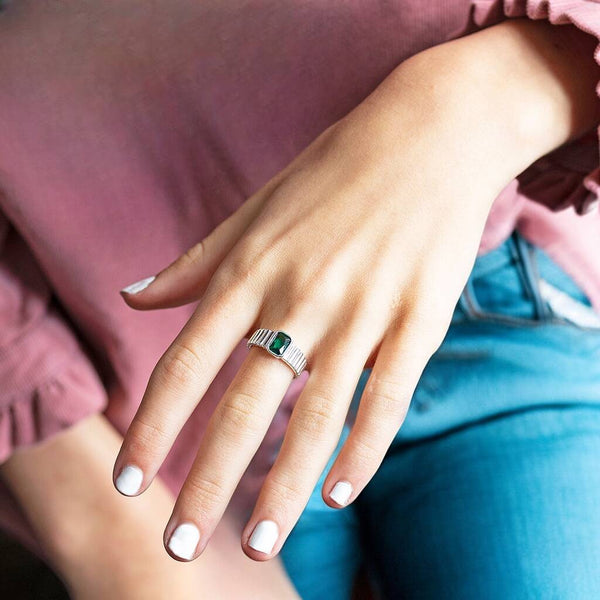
{"points": [[279, 344]]}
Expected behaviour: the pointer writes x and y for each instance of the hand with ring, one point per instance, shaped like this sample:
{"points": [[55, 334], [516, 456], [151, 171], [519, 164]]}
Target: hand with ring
{"points": [[354, 255]]}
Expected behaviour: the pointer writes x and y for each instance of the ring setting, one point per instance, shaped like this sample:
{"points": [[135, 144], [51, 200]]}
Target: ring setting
{"points": [[280, 345]]}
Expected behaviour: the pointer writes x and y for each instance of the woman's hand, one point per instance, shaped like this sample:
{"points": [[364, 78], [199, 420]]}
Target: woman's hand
{"points": [[359, 250]]}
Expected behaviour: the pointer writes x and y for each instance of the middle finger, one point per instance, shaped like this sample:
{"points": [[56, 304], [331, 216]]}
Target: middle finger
{"points": [[233, 435]]}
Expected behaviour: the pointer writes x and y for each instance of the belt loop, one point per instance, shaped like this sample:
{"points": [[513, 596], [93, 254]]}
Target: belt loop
{"points": [[528, 271]]}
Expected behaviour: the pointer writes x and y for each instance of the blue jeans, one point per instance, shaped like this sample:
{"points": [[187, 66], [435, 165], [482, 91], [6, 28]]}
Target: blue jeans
{"points": [[491, 489]]}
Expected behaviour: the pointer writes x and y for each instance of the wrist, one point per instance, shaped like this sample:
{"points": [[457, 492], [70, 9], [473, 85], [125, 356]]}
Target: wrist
{"points": [[537, 79], [497, 100]]}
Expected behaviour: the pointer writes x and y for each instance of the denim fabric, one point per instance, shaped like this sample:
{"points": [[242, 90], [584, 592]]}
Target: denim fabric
{"points": [[491, 488]]}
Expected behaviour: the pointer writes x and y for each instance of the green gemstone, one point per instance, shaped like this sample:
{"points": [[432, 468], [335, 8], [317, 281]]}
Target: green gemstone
{"points": [[280, 343]]}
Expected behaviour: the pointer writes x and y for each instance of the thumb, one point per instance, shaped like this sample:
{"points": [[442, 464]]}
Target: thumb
{"points": [[186, 279]]}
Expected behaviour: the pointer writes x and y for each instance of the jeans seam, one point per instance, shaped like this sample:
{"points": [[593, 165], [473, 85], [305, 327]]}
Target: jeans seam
{"points": [[519, 249], [471, 306]]}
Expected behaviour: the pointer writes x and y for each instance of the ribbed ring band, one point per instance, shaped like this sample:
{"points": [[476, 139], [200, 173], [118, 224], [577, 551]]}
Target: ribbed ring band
{"points": [[279, 344]]}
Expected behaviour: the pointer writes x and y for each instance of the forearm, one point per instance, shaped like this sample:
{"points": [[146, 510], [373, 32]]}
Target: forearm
{"points": [[495, 101]]}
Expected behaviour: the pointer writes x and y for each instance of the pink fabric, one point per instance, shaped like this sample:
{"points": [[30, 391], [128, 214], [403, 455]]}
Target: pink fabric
{"points": [[256, 82], [44, 371]]}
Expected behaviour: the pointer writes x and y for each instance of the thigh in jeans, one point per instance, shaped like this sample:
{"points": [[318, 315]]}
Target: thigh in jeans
{"points": [[491, 487], [505, 508]]}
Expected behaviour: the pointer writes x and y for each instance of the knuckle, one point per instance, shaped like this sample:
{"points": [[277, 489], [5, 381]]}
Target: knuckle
{"points": [[238, 415], [365, 453], [283, 492], [389, 395], [315, 417], [204, 493], [181, 365], [240, 266], [147, 435], [427, 324], [193, 255], [242, 270]]}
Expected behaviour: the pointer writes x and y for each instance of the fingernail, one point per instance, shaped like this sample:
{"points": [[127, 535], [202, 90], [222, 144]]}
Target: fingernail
{"points": [[129, 480], [264, 536], [341, 492], [138, 286], [184, 540]]}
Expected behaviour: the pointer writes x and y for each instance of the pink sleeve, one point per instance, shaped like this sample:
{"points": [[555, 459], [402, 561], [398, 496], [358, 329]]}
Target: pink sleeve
{"points": [[570, 175], [47, 382]]}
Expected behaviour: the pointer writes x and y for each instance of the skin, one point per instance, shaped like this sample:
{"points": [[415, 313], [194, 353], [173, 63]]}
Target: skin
{"points": [[103, 547], [358, 249]]}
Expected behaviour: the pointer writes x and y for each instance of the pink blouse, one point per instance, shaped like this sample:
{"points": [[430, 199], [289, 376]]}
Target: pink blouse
{"points": [[257, 82]]}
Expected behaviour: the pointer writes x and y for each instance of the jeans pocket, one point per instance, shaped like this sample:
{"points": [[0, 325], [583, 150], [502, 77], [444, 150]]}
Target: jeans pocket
{"points": [[519, 284]]}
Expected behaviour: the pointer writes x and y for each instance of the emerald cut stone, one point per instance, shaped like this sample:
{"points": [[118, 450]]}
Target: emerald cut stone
{"points": [[280, 343]]}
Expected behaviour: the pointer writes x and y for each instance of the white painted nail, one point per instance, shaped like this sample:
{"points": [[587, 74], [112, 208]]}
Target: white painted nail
{"points": [[183, 541], [129, 480], [264, 536], [138, 286], [341, 492]]}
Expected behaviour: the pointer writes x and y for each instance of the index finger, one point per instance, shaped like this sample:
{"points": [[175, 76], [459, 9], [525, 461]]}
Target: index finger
{"points": [[178, 382]]}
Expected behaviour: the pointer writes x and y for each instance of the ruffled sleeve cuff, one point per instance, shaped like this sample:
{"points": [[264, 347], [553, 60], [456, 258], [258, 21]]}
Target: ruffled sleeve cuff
{"points": [[570, 175], [47, 381], [47, 384]]}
